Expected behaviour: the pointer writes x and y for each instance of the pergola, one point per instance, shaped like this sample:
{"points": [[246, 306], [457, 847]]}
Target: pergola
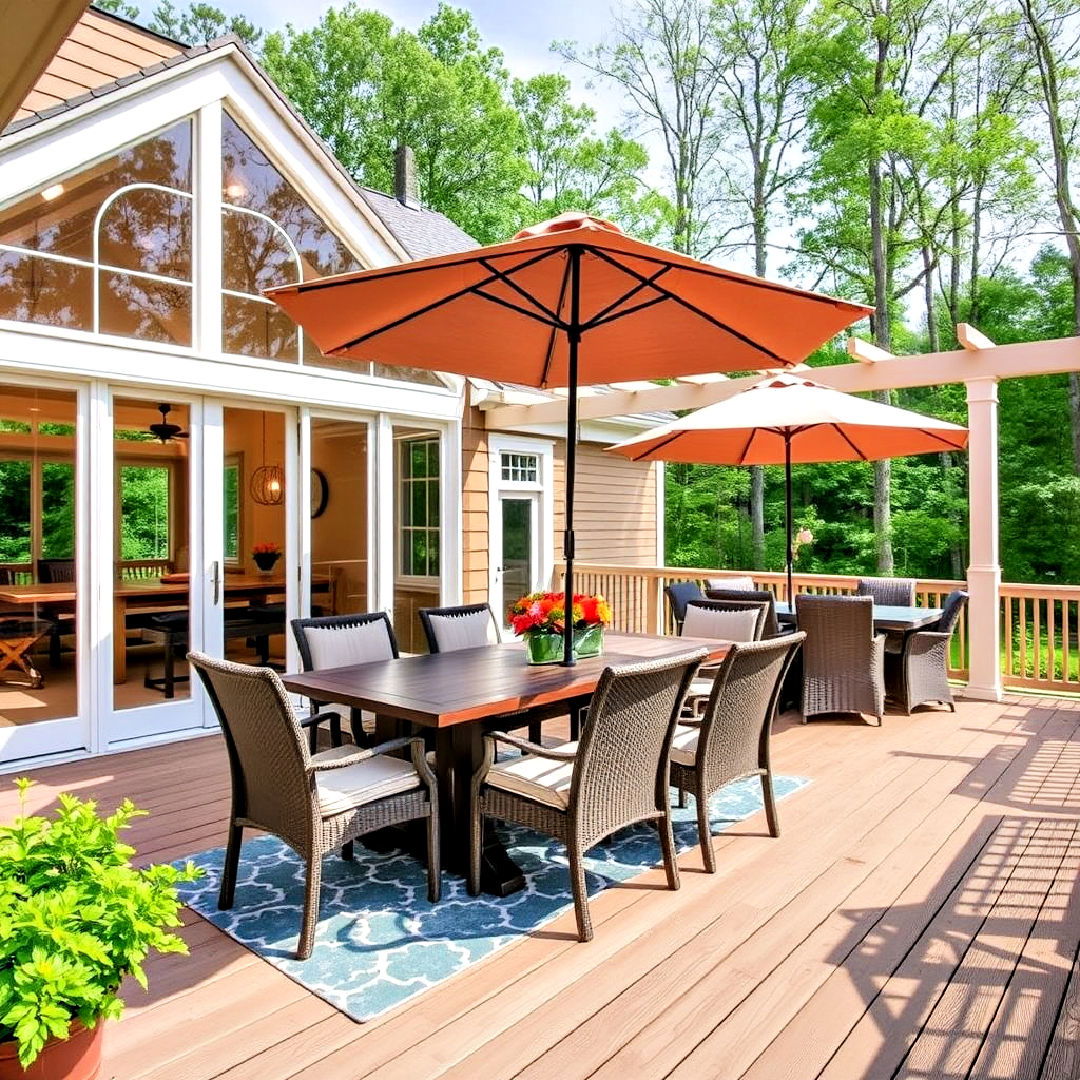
{"points": [[980, 365]]}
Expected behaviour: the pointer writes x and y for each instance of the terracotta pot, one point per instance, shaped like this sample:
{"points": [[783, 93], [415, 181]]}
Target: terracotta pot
{"points": [[78, 1057]]}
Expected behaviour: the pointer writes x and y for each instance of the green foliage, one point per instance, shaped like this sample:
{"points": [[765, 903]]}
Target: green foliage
{"points": [[198, 23], [75, 919]]}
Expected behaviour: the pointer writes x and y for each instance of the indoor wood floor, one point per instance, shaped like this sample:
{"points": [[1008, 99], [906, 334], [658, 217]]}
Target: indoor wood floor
{"points": [[918, 917]]}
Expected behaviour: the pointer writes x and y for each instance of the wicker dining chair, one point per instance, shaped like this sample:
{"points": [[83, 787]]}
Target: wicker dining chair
{"points": [[734, 584], [467, 626], [762, 596], [843, 659], [730, 740], [678, 595], [616, 775], [331, 641], [888, 591], [919, 674], [726, 620], [314, 802]]}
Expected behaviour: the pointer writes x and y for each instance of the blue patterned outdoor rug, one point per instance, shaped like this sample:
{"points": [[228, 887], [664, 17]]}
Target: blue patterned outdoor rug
{"points": [[379, 941]]}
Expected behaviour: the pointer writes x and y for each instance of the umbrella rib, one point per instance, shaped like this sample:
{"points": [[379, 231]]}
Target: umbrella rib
{"points": [[604, 311], [524, 293], [943, 441], [434, 305], [626, 311], [693, 308], [843, 435], [549, 353], [516, 307], [746, 448]]}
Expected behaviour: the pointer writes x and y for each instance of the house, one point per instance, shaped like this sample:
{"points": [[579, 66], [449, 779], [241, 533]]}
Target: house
{"points": [[160, 421]]}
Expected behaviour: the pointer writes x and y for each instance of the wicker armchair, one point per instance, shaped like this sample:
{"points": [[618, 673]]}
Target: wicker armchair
{"points": [[731, 739], [336, 641], [890, 592], [734, 584], [843, 659], [727, 620], [919, 674], [468, 626], [617, 775], [314, 802], [678, 594], [762, 596]]}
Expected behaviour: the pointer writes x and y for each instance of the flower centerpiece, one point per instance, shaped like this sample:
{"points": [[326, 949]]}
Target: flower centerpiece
{"points": [[540, 617], [265, 556], [77, 919]]}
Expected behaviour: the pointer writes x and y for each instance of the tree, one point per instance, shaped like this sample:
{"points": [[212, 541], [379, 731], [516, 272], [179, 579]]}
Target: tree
{"points": [[118, 7], [660, 56], [573, 167], [367, 88], [198, 23]]}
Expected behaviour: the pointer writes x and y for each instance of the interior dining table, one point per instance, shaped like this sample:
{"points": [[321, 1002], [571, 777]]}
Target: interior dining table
{"points": [[456, 697], [59, 597]]}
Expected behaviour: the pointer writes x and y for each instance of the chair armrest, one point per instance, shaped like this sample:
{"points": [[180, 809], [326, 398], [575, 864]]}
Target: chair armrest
{"points": [[318, 717], [365, 755], [531, 747]]}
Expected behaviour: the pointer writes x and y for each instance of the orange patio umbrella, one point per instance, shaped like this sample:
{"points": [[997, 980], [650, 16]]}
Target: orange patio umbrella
{"points": [[785, 418], [570, 301]]}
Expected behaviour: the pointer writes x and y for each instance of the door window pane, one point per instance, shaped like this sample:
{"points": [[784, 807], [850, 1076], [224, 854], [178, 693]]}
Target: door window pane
{"points": [[15, 512], [144, 512], [517, 548]]}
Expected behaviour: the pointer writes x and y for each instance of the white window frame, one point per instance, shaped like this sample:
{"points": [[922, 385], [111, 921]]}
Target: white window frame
{"points": [[543, 487], [419, 581]]}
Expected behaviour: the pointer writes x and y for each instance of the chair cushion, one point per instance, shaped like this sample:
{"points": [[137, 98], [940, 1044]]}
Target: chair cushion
{"points": [[340, 790], [339, 646], [470, 631], [740, 584], [725, 625], [684, 745], [543, 780]]}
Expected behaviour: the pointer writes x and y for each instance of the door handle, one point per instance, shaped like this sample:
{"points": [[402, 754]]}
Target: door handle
{"points": [[215, 577]]}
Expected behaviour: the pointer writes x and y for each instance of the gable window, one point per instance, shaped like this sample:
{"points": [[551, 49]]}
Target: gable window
{"points": [[418, 507], [108, 249]]}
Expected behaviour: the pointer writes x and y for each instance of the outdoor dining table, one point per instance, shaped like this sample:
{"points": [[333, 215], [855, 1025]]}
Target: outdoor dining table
{"points": [[886, 616], [458, 696]]}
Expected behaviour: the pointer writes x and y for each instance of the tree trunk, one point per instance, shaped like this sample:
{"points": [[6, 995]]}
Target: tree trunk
{"points": [[933, 338]]}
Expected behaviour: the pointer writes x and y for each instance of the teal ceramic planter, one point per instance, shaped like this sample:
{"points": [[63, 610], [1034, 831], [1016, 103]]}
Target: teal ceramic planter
{"points": [[548, 648]]}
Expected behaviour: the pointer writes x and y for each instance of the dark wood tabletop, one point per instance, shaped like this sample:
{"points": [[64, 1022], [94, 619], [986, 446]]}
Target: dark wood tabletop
{"points": [[886, 616], [473, 684]]}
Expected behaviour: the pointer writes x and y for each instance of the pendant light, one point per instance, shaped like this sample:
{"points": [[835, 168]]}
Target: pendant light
{"points": [[267, 485]]}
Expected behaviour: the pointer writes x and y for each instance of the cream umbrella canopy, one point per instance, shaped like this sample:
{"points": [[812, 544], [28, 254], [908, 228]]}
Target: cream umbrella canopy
{"points": [[784, 419]]}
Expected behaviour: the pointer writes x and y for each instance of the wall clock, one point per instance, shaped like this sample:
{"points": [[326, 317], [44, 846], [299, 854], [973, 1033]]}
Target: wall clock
{"points": [[320, 493]]}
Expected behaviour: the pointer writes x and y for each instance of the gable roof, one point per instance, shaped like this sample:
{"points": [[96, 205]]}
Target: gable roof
{"points": [[419, 231]]}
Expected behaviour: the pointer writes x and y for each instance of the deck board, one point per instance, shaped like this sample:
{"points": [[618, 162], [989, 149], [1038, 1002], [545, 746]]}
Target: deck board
{"points": [[919, 916]]}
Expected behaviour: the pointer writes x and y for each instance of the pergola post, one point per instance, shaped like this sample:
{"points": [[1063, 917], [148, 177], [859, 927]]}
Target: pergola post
{"points": [[984, 571]]}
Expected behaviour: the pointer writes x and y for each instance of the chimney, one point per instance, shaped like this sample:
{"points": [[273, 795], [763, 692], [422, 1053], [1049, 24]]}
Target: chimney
{"points": [[405, 177]]}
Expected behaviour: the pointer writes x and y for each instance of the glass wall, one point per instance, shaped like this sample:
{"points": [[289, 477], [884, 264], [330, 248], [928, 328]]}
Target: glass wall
{"points": [[38, 602], [109, 248], [339, 527]]}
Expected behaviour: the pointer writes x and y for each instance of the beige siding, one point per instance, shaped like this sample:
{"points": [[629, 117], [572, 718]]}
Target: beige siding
{"points": [[615, 512], [97, 51]]}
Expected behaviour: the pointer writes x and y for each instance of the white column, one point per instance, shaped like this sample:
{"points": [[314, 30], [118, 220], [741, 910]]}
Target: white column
{"points": [[381, 515], [207, 227], [984, 571]]}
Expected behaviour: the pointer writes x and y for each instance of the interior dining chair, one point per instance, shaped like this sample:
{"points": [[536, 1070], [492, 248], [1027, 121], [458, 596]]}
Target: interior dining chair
{"points": [[53, 572], [314, 802], [466, 626], [615, 776], [730, 740], [331, 641]]}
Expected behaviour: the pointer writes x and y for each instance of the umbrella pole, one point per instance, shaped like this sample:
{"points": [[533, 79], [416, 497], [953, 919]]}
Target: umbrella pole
{"points": [[787, 509], [574, 339]]}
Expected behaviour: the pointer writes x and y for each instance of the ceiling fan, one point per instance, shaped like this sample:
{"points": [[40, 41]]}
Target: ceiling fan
{"points": [[166, 432]]}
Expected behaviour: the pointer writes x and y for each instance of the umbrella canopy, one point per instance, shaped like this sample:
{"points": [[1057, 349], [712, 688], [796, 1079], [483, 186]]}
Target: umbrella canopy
{"points": [[572, 300], [785, 419], [509, 311]]}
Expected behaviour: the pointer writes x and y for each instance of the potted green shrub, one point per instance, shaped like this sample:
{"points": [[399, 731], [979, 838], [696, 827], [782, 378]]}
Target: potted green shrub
{"points": [[75, 918]]}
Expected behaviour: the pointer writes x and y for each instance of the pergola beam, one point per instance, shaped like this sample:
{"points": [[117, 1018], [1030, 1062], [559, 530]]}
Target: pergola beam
{"points": [[867, 353], [898, 372]]}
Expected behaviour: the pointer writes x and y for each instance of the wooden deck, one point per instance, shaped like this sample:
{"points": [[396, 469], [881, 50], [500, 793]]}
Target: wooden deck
{"points": [[919, 917]]}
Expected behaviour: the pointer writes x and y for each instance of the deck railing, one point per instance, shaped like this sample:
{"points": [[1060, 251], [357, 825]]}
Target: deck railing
{"points": [[1040, 624]]}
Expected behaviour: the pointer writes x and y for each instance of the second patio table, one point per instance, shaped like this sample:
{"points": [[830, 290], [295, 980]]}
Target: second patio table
{"points": [[886, 616], [460, 695]]}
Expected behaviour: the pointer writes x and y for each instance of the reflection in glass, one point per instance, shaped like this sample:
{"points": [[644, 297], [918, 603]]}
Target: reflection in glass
{"points": [[517, 548], [143, 308], [38, 670], [256, 328]]}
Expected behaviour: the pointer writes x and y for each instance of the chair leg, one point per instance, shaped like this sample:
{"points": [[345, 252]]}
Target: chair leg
{"points": [[313, 738], [536, 728], [581, 894], [311, 907], [705, 831], [55, 646], [770, 803], [476, 845], [347, 851], [170, 668], [682, 798], [335, 730], [228, 870], [667, 841], [434, 865]]}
